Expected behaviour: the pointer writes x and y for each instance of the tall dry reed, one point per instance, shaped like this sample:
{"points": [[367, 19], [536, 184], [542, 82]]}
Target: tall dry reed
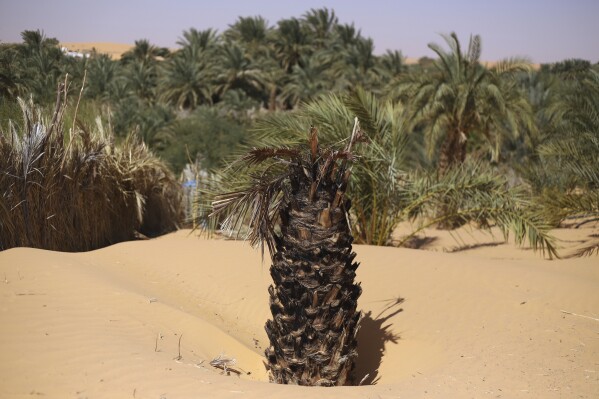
{"points": [[76, 190]]}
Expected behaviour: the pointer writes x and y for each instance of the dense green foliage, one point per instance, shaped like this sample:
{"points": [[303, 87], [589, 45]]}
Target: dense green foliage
{"points": [[219, 91]]}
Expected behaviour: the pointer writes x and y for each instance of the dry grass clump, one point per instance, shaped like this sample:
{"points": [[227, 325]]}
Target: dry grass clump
{"points": [[78, 191]]}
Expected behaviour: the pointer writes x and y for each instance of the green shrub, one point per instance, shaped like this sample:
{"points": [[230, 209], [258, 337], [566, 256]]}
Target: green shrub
{"points": [[205, 135]]}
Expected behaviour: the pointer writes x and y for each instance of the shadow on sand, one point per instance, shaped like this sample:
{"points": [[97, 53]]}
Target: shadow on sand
{"points": [[373, 337]]}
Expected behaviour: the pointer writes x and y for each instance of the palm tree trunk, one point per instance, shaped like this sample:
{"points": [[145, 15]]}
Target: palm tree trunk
{"points": [[452, 152], [313, 299], [272, 98]]}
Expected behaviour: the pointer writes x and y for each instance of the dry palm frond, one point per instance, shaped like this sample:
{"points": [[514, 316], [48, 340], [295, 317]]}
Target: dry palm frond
{"points": [[261, 200], [258, 155], [226, 364], [80, 192]]}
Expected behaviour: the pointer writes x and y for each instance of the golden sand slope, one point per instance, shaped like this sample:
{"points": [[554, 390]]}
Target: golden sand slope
{"points": [[114, 50], [107, 323]]}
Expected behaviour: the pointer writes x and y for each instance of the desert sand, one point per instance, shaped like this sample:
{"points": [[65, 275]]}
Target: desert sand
{"points": [[114, 50], [144, 319]]}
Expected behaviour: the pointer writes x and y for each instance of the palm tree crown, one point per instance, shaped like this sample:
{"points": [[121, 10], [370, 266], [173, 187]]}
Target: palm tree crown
{"points": [[462, 98]]}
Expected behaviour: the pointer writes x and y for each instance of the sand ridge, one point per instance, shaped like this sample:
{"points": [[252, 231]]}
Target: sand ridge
{"points": [[107, 323], [114, 50]]}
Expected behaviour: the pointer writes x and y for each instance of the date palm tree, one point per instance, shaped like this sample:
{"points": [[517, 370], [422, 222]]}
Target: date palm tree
{"points": [[358, 66], [392, 64], [187, 79], [104, 76], [290, 42], [251, 33], [308, 80], [462, 98], [40, 69], [202, 40], [10, 71], [321, 24], [237, 70], [142, 79], [144, 52], [297, 207], [567, 176]]}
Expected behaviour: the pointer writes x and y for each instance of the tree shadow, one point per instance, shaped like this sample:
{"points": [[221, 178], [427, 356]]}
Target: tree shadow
{"points": [[373, 337], [466, 247], [418, 242]]}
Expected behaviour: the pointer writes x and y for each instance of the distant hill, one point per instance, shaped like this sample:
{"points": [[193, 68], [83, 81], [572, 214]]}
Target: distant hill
{"points": [[114, 50]]}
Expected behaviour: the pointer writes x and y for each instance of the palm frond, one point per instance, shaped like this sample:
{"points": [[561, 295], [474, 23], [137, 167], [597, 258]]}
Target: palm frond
{"points": [[259, 155], [473, 193], [474, 49], [259, 201], [588, 250]]}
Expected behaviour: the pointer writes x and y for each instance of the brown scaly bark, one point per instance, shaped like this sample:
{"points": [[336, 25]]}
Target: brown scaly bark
{"points": [[313, 298]]}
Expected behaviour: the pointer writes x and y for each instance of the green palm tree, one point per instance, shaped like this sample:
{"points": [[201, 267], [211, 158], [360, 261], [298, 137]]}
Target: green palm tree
{"points": [[357, 65], [104, 77], [392, 64], [10, 72], [203, 40], [186, 79], [346, 35], [321, 24], [374, 181], [141, 79], [290, 42], [40, 65], [462, 98], [145, 52], [250, 32], [313, 299], [569, 155], [238, 70], [309, 79]]}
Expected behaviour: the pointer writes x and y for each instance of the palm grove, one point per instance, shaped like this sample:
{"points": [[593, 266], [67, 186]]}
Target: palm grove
{"points": [[450, 140]]}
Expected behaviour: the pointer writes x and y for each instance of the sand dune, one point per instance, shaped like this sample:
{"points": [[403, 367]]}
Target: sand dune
{"points": [[114, 50], [484, 322]]}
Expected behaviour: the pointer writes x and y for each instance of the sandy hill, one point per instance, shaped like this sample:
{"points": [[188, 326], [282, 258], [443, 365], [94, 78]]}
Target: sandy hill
{"points": [[489, 321], [115, 50]]}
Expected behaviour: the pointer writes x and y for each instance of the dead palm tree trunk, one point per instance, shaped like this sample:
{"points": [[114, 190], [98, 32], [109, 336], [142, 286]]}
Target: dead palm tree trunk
{"points": [[313, 298]]}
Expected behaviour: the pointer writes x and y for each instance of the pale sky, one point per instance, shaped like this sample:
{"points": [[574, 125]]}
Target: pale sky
{"points": [[543, 30]]}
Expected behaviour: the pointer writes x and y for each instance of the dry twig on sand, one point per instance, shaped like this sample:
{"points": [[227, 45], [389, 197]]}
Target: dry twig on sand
{"points": [[179, 357], [226, 364], [579, 315]]}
